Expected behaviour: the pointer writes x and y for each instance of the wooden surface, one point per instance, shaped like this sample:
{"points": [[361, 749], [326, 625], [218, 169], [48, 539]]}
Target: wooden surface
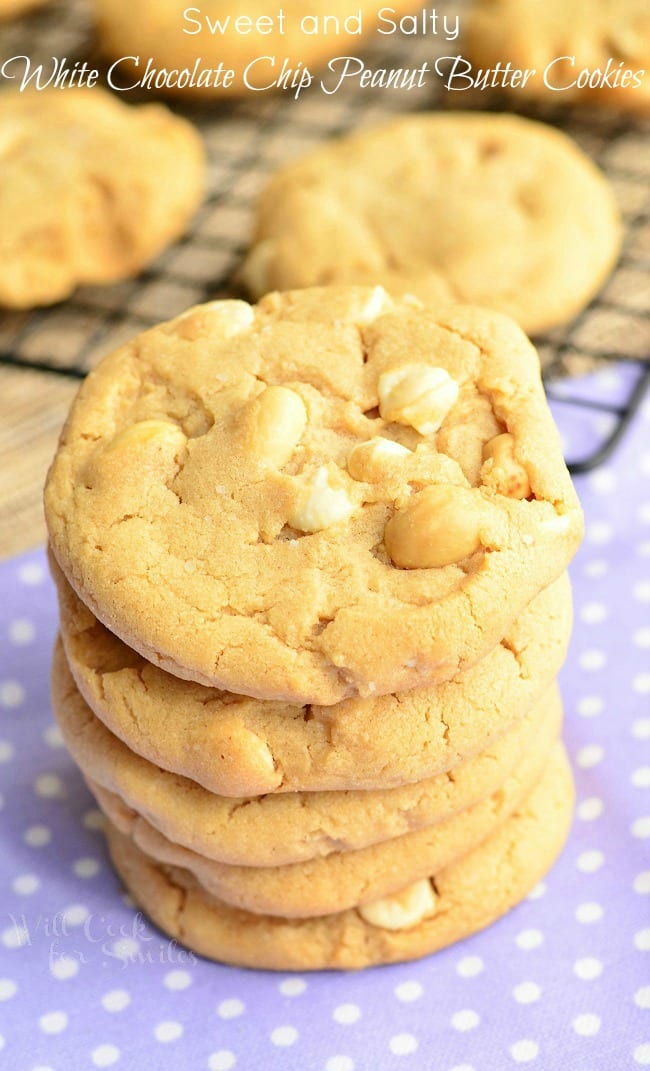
{"points": [[245, 143]]}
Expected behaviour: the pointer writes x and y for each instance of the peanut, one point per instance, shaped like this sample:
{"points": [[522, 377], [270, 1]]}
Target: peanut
{"points": [[501, 470], [438, 527], [272, 424]]}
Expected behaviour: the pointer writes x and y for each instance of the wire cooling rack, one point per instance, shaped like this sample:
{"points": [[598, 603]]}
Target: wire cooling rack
{"points": [[246, 141]]}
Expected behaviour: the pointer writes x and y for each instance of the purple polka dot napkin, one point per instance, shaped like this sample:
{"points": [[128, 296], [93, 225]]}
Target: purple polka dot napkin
{"points": [[560, 984]]}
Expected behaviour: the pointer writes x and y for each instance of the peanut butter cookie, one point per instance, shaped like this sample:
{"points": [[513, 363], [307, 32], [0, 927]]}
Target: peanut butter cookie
{"points": [[272, 829], [492, 210], [454, 903], [91, 190], [330, 494]]}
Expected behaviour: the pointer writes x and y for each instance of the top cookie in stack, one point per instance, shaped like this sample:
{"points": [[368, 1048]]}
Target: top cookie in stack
{"points": [[326, 495]]}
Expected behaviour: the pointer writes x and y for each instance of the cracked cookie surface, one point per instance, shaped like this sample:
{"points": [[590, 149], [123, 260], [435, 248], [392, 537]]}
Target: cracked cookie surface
{"points": [[485, 209], [91, 190], [609, 39], [272, 829], [236, 746], [465, 897], [217, 502]]}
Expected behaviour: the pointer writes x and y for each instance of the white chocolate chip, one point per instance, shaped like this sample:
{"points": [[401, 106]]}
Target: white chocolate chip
{"points": [[402, 910], [318, 505], [217, 319], [146, 433], [418, 395], [369, 460], [377, 303]]}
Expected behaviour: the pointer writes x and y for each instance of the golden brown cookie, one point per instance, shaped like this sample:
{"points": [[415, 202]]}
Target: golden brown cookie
{"points": [[329, 494], [235, 746], [463, 898], [492, 210], [274, 830], [343, 879], [227, 47], [595, 51], [91, 190], [10, 9]]}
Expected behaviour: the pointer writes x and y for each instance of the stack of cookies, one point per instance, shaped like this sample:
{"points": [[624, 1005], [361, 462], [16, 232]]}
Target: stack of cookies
{"points": [[311, 564]]}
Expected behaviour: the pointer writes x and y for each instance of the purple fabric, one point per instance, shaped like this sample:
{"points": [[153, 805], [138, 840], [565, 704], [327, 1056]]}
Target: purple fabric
{"points": [[562, 983]]}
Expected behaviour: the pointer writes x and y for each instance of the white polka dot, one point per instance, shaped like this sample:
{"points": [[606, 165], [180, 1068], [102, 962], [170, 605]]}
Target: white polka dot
{"points": [[642, 883], [641, 828], [642, 940], [588, 968], [86, 868], [462, 1067], [589, 755], [222, 1060], [529, 939], [641, 683], [642, 1054], [15, 936], [589, 862], [49, 786], [642, 637], [408, 991], [603, 481], [589, 912], [644, 464], [230, 1009], [643, 548], [339, 1063], [586, 1025], [64, 967], [347, 1013], [168, 1030], [641, 728], [592, 659], [641, 777], [403, 1044], [524, 1051], [116, 1000], [53, 1022], [284, 1036], [75, 914], [6, 751], [469, 966], [526, 992], [25, 884], [537, 892], [37, 836], [465, 1019], [8, 988], [292, 987], [643, 513], [593, 613], [105, 1055], [31, 574], [596, 568], [125, 948], [93, 819], [590, 809], [642, 997], [21, 632], [590, 705], [599, 532], [52, 737], [177, 980], [641, 591], [12, 694]]}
